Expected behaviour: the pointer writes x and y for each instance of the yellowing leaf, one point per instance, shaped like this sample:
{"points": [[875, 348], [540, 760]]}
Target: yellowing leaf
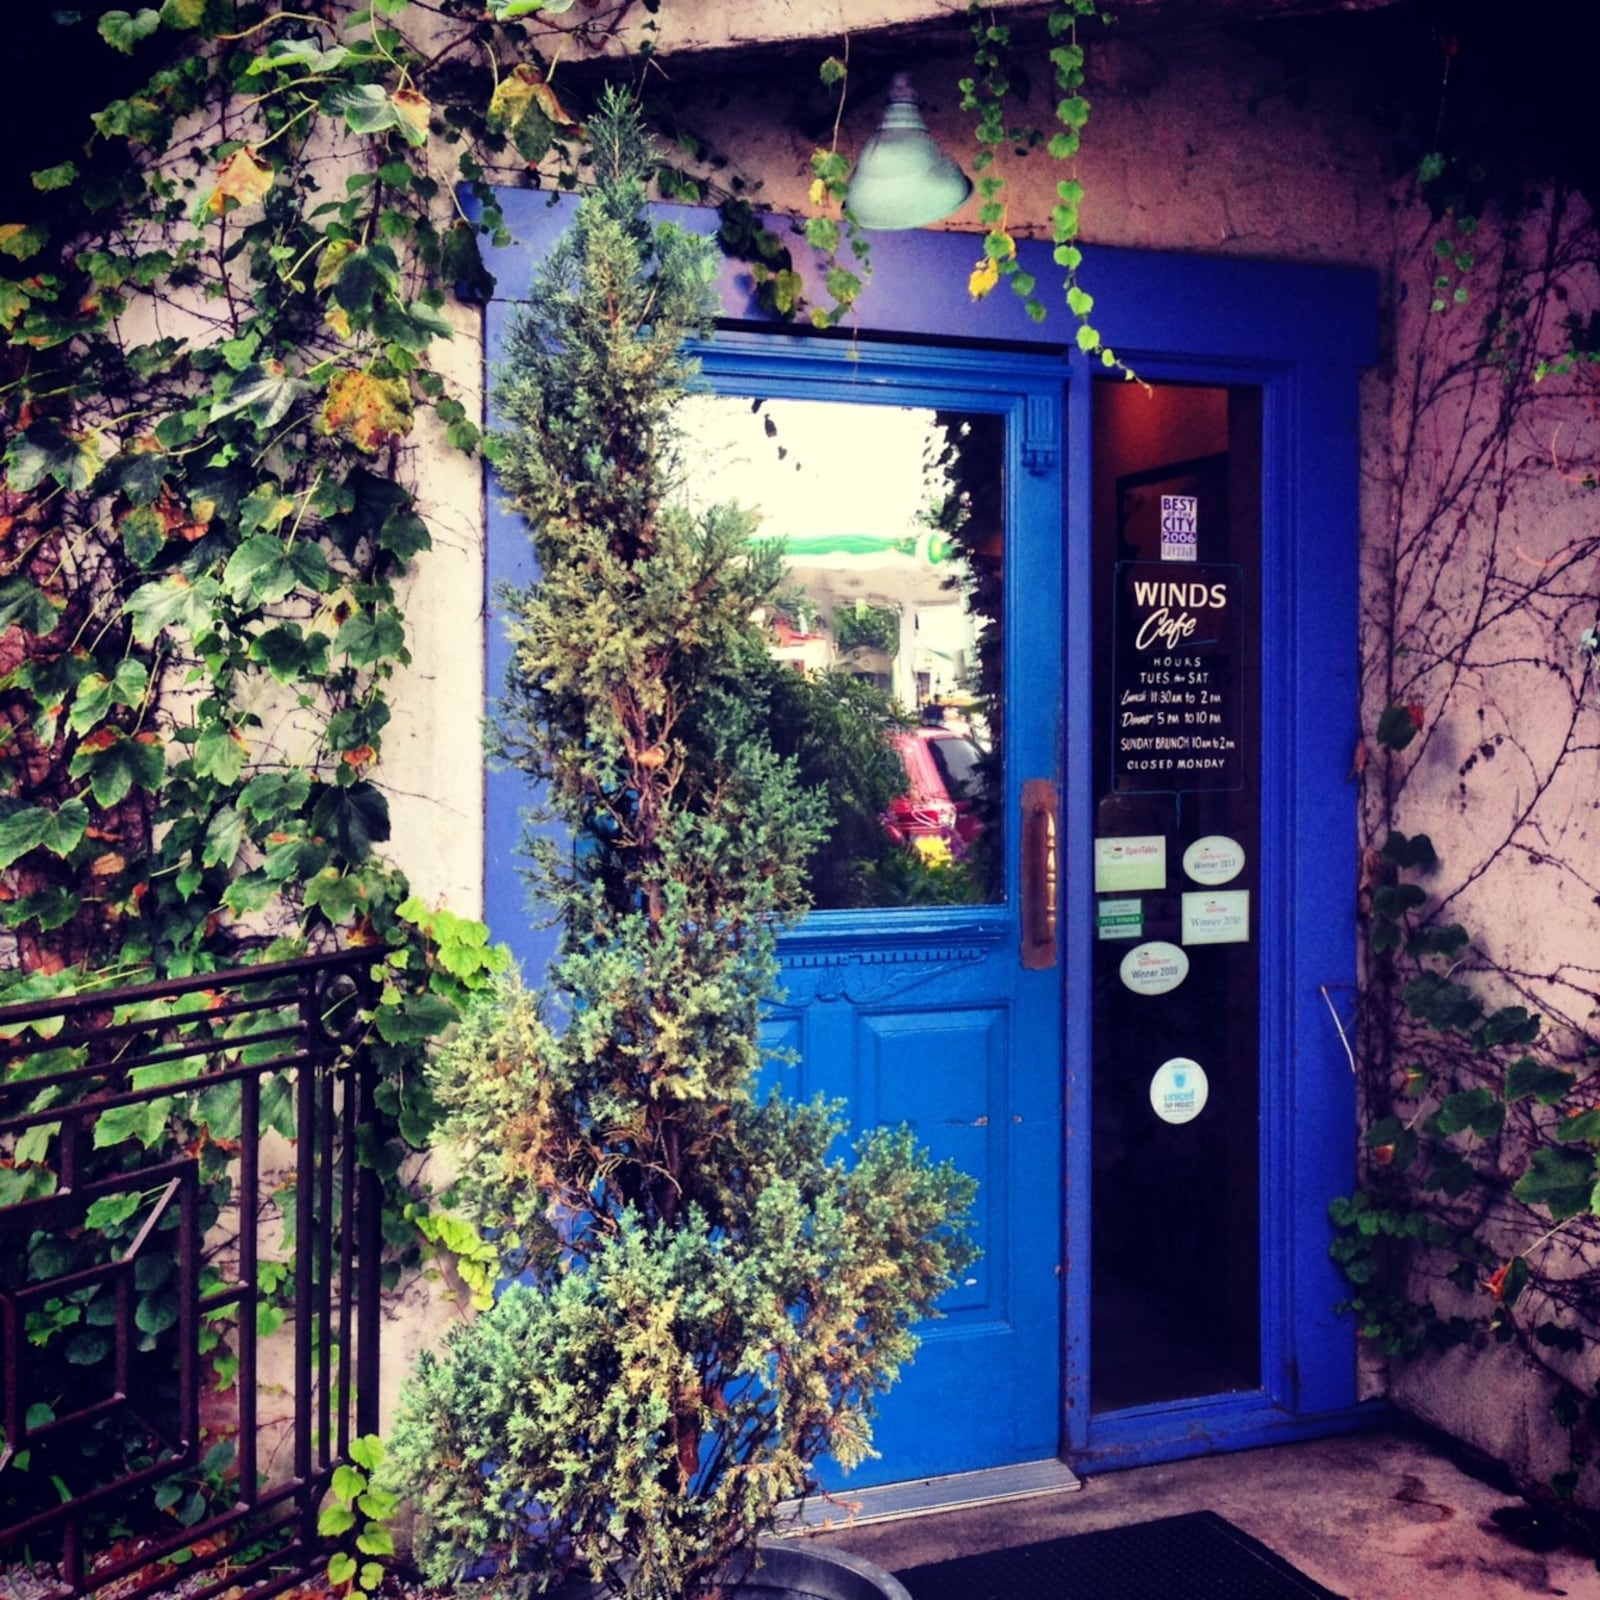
{"points": [[413, 109], [984, 277], [370, 410], [528, 109], [243, 179], [339, 320]]}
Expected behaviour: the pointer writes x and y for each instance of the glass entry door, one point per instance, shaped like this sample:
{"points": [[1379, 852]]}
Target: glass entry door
{"points": [[1176, 1197]]}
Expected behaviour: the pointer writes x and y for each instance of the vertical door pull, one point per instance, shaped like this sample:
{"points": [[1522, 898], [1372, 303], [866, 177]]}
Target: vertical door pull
{"points": [[1040, 874]]}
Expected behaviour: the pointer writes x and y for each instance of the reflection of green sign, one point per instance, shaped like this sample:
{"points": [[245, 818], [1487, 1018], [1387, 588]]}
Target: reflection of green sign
{"points": [[932, 545]]}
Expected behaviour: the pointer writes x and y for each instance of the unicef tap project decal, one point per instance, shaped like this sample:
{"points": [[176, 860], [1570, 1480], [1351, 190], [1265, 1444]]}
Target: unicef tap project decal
{"points": [[1179, 1089], [1214, 859], [1154, 968]]}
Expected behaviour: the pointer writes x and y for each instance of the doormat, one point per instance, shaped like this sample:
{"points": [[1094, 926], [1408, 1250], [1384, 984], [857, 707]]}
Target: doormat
{"points": [[1200, 1556]]}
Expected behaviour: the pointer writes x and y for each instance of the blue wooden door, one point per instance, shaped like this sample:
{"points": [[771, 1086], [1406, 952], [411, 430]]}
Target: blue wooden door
{"points": [[944, 1016]]}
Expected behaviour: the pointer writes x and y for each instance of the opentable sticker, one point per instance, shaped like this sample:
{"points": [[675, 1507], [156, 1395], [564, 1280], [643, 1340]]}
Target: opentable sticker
{"points": [[1179, 1089], [1154, 968], [1214, 859], [1180, 527], [1135, 862]]}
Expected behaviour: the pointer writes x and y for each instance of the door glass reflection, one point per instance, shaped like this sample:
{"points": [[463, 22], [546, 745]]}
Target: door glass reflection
{"points": [[884, 641]]}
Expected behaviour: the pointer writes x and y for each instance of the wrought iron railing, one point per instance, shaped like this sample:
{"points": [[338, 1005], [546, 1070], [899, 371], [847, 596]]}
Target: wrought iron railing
{"points": [[189, 1277]]}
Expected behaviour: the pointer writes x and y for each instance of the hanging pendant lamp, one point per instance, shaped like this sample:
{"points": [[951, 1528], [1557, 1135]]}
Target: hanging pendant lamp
{"points": [[903, 179]]}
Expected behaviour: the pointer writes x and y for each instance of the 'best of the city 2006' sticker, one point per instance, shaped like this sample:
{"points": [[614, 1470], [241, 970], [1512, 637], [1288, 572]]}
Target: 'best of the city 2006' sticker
{"points": [[1214, 859], [1180, 527], [1179, 1089], [1154, 968], [1216, 916], [1123, 865]]}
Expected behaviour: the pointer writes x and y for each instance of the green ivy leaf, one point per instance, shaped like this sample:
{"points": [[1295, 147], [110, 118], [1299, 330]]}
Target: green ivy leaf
{"points": [[46, 451], [40, 828], [375, 1540], [62, 176], [220, 752], [287, 54], [1560, 1180], [224, 835], [354, 818], [266, 389], [1546, 1084], [415, 1018], [173, 602], [25, 605], [367, 638], [1398, 726], [122, 31], [259, 572], [115, 765], [290, 655], [1481, 1111], [144, 1121]]}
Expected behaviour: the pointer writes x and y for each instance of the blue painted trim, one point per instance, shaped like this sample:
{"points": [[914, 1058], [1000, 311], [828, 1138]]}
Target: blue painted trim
{"points": [[1226, 308], [1144, 1438]]}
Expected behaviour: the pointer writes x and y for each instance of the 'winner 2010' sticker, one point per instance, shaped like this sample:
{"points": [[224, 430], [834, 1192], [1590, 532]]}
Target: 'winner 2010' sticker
{"points": [[1179, 1090], [1154, 968], [1214, 859]]}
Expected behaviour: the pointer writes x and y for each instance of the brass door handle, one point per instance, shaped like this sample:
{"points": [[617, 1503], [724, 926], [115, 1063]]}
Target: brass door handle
{"points": [[1040, 873]]}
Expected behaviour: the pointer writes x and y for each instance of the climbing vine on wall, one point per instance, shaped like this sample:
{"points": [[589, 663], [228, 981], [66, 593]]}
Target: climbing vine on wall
{"points": [[1477, 1218]]}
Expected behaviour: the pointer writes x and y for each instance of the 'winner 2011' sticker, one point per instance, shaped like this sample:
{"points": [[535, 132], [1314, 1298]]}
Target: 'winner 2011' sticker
{"points": [[1179, 1090], [1154, 968], [1214, 859]]}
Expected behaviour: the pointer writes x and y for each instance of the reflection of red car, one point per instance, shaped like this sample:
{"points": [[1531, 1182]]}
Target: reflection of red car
{"points": [[943, 782]]}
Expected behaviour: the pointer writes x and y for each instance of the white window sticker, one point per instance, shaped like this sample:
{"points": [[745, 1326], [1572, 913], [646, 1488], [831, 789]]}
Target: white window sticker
{"points": [[1217, 916], [1137, 862], [1214, 859], [1180, 527], [1179, 1089], [1154, 968]]}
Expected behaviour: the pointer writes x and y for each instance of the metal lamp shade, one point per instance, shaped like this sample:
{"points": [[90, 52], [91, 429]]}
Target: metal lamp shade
{"points": [[903, 179]]}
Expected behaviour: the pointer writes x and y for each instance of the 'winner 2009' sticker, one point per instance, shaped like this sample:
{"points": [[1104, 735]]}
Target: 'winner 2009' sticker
{"points": [[1154, 968]]}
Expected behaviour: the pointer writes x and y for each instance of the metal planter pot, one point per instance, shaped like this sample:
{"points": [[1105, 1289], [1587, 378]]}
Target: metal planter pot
{"points": [[796, 1570]]}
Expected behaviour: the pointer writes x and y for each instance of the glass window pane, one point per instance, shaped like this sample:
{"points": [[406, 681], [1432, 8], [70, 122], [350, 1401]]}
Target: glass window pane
{"points": [[1176, 1195], [884, 638]]}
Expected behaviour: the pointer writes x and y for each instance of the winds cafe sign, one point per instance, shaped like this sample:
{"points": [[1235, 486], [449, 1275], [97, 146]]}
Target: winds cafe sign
{"points": [[1175, 679]]}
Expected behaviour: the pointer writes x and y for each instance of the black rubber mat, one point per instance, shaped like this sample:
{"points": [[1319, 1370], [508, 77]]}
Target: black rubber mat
{"points": [[1200, 1556]]}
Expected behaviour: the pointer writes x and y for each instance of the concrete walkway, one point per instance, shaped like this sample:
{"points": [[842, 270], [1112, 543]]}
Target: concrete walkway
{"points": [[1385, 1516]]}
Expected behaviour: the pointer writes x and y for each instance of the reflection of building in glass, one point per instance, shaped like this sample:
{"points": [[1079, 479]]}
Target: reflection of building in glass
{"points": [[890, 523]]}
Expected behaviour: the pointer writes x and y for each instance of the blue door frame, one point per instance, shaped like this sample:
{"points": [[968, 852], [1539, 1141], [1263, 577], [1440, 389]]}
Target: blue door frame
{"points": [[1301, 334]]}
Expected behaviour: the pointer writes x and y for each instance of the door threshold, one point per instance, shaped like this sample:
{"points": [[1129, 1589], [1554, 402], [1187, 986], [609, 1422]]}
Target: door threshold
{"points": [[922, 1497]]}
